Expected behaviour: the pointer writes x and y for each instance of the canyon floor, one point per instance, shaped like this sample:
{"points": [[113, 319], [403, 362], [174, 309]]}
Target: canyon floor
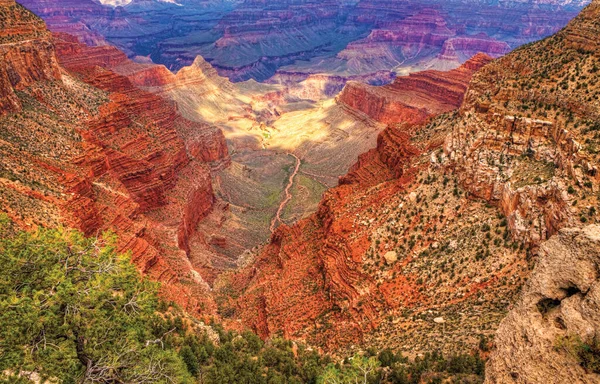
{"points": [[285, 152]]}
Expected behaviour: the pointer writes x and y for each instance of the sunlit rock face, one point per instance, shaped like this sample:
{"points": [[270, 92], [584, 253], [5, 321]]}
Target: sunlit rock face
{"points": [[251, 39], [415, 97]]}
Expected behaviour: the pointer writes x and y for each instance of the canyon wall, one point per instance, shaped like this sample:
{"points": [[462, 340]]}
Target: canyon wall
{"points": [[551, 333], [411, 36], [26, 54], [414, 97], [521, 147], [87, 149]]}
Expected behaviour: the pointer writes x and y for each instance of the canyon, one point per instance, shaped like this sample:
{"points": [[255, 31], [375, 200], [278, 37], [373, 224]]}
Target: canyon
{"points": [[344, 174], [443, 220]]}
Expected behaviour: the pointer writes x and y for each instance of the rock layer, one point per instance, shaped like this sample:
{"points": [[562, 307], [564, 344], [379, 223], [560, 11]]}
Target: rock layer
{"points": [[415, 97], [336, 259], [26, 54]]}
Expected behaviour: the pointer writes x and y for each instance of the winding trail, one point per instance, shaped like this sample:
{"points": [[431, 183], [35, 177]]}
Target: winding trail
{"points": [[288, 195]]}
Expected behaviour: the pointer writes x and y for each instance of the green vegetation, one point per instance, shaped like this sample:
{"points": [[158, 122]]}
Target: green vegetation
{"points": [[388, 367], [529, 171], [306, 196], [587, 354], [73, 310]]}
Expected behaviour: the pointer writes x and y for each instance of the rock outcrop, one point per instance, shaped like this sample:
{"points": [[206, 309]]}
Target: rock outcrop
{"points": [[324, 86], [521, 147], [544, 338], [26, 54]]}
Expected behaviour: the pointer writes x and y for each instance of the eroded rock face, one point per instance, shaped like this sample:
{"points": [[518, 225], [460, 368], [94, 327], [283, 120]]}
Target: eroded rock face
{"points": [[68, 16], [559, 312], [519, 147], [323, 86], [26, 54], [415, 97], [87, 149]]}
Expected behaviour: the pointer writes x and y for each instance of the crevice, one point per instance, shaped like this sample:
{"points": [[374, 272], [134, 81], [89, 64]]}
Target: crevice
{"points": [[546, 305], [570, 291]]}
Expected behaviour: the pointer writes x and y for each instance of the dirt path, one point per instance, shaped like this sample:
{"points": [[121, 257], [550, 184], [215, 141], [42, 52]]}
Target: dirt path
{"points": [[288, 195]]}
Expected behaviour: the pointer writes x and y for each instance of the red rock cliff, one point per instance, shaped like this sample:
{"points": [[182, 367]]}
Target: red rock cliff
{"points": [[82, 146], [415, 97], [26, 54]]}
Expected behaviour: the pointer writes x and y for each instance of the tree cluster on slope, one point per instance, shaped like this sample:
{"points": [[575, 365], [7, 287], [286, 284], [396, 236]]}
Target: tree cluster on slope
{"points": [[75, 311]]}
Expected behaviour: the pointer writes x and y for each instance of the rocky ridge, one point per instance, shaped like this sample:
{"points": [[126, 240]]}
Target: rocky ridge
{"points": [[527, 139], [415, 97]]}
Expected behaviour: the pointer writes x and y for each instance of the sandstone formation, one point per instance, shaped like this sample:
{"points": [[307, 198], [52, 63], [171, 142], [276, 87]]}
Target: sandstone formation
{"points": [[542, 338], [415, 97]]}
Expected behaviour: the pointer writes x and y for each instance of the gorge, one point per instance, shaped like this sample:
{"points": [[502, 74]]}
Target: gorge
{"points": [[348, 176]]}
